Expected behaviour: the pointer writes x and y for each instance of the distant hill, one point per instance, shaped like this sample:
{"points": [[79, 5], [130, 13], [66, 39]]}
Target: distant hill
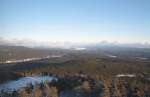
{"points": [[20, 52]]}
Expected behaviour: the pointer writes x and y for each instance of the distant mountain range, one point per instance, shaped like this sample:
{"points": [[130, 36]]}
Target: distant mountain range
{"points": [[31, 43]]}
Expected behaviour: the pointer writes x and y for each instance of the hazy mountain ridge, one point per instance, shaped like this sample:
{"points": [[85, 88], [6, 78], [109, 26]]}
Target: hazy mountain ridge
{"points": [[32, 43]]}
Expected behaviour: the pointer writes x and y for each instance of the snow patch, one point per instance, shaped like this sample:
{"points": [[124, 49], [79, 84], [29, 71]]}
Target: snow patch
{"points": [[112, 56], [79, 49], [126, 75], [141, 58], [23, 82], [32, 59]]}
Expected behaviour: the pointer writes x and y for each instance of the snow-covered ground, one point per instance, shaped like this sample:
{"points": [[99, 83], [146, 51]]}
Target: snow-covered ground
{"points": [[32, 59], [22, 60], [125, 75], [111, 56], [141, 58], [79, 49], [23, 82]]}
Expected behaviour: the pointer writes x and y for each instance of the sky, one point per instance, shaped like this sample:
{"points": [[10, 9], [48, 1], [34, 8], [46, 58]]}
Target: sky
{"points": [[124, 21]]}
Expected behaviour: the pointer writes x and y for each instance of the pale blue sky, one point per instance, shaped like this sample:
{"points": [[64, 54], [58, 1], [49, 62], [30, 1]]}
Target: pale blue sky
{"points": [[126, 21]]}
